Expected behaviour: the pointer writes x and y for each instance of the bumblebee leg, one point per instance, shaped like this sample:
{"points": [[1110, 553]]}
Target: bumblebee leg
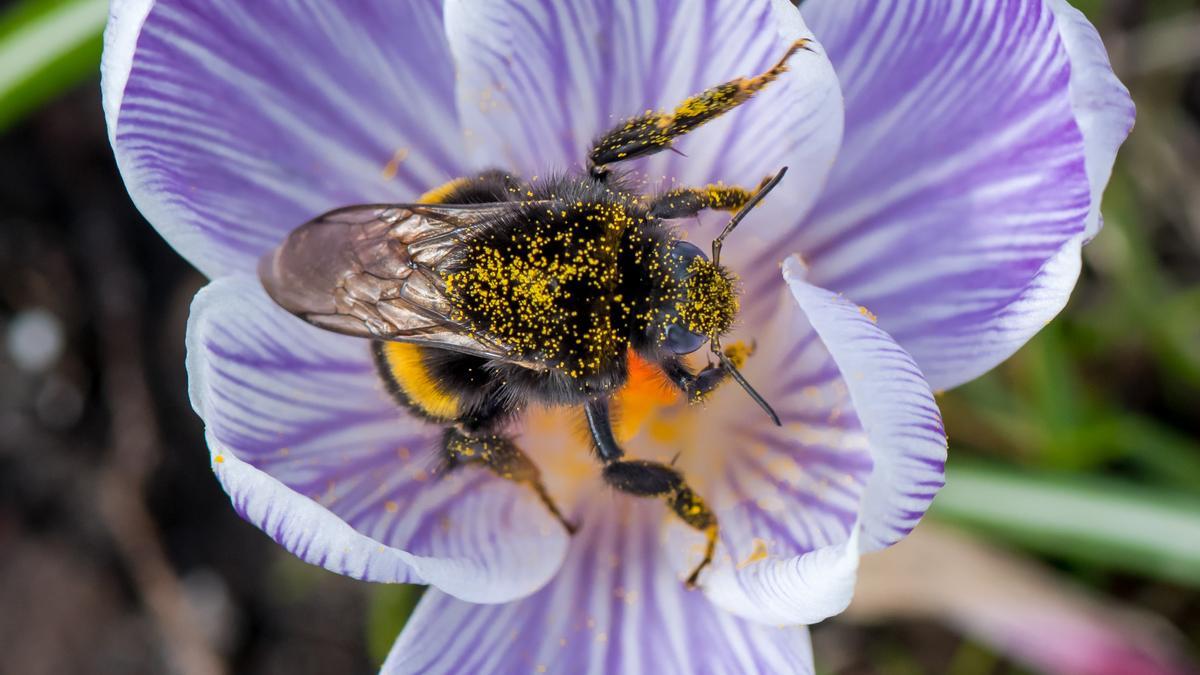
{"points": [[599, 422], [505, 459], [654, 131], [686, 202], [697, 386], [651, 479]]}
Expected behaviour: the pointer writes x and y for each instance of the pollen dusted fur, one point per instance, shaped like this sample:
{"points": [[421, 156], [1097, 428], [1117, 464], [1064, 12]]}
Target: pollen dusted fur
{"points": [[574, 279], [492, 293], [712, 302]]}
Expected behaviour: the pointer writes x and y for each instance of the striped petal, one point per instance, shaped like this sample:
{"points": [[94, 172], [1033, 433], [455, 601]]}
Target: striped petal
{"points": [[616, 607], [311, 449], [979, 137], [856, 464], [894, 403], [234, 122], [539, 81]]}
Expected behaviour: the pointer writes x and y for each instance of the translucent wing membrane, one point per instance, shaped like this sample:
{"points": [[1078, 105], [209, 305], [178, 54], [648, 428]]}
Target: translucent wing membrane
{"points": [[375, 271]]}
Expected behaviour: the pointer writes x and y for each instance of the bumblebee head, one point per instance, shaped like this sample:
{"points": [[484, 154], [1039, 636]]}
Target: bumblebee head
{"points": [[709, 303], [706, 304]]}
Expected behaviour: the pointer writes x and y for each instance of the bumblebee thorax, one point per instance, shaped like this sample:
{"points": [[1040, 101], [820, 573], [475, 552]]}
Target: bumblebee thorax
{"points": [[566, 282]]}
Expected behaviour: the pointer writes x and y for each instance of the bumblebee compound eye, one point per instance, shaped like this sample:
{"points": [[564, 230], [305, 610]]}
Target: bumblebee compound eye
{"points": [[711, 302], [680, 340], [683, 253], [686, 251]]}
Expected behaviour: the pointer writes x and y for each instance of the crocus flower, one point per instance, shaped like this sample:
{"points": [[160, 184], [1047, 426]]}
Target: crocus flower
{"points": [[947, 160]]}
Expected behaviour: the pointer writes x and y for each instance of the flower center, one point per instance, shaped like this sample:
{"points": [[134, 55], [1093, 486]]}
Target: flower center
{"points": [[651, 419], [641, 400]]}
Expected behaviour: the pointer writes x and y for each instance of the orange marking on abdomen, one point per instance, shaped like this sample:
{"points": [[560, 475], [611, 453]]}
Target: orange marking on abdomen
{"points": [[646, 391]]}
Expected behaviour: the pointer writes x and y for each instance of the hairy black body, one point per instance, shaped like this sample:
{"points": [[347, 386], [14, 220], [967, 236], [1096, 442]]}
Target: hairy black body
{"points": [[580, 274]]}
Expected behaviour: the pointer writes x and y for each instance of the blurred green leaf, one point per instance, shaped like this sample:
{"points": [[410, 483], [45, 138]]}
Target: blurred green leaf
{"points": [[1111, 523], [1169, 457], [1143, 305], [388, 611], [1094, 9], [972, 659], [46, 46]]}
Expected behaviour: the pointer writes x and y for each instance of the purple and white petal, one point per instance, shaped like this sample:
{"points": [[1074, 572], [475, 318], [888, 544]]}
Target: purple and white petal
{"points": [[234, 122], [539, 81], [854, 467], [979, 136], [1102, 105], [616, 607], [312, 450], [894, 404]]}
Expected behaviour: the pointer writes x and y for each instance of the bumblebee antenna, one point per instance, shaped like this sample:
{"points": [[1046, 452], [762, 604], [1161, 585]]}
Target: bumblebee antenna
{"points": [[727, 363], [737, 218]]}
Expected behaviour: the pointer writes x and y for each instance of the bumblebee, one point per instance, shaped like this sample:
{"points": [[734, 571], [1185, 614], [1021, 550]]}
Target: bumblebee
{"points": [[492, 293]]}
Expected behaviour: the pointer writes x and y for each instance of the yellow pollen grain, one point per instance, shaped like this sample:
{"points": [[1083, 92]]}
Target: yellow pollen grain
{"points": [[393, 165], [521, 289], [757, 554], [738, 353], [711, 302], [391, 506], [869, 314]]}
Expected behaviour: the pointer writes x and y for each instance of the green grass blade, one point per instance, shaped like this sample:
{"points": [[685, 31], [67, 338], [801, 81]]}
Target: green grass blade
{"points": [[388, 611], [46, 46], [1099, 521]]}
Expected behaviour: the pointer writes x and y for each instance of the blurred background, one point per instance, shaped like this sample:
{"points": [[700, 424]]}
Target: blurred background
{"points": [[1067, 540]]}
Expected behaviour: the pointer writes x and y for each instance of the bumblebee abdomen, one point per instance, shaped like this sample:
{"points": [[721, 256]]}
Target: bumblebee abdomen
{"points": [[405, 369]]}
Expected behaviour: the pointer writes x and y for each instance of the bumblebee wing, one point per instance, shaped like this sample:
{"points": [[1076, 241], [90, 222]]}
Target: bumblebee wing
{"points": [[374, 271]]}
